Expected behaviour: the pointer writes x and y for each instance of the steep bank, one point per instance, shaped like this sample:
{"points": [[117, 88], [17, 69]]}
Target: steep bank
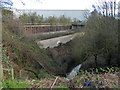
{"points": [[28, 55]]}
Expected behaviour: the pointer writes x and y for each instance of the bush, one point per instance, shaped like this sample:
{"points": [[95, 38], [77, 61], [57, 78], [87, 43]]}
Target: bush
{"points": [[101, 38], [79, 51], [43, 74]]}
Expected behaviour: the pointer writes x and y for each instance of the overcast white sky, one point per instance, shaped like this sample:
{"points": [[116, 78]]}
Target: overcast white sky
{"points": [[53, 4], [57, 4]]}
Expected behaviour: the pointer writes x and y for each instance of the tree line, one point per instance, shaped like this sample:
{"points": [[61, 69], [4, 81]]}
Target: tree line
{"points": [[34, 18]]}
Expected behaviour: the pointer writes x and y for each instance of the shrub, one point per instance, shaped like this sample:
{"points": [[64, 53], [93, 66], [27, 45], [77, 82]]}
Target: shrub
{"points": [[101, 38]]}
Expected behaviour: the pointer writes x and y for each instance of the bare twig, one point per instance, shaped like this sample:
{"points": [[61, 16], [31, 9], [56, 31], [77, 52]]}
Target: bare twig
{"points": [[54, 82]]}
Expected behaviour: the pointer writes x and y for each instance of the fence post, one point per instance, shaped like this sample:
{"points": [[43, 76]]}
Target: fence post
{"points": [[1, 68], [1, 73], [20, 73], [12, 72]]}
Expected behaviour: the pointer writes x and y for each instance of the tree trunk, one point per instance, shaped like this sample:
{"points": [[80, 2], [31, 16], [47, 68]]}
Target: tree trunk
{"points": [[96, 64], [109, 59], [118, 57]]}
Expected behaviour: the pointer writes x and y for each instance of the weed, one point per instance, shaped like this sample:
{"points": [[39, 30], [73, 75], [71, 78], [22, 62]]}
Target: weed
{"points": [[97, 77], [102, 69], [96, 70], [93, 75], [88, 75], [82, 72], [114, 86]]}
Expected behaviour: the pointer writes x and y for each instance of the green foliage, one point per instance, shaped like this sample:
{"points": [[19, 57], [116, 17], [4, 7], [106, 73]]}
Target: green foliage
{"points": [[34, 18], [5, 58], [31, 18], [79, 50], [100, 38], [82, 72], [85, 76], [43, 74], [102, 70], [97, 77], [88, 76], [6, 14], [115, 86], [63, 87], [62, 20], [79, 23], [96, 70], [92, 75], [14, 84]]}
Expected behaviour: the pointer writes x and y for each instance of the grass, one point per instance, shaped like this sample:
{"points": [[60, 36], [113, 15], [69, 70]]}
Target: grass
{"points": [[63, 87], [114, 86], [14, 84]]}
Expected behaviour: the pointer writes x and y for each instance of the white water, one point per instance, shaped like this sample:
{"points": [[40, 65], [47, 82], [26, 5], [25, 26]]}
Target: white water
{"points": [[74, 72]]}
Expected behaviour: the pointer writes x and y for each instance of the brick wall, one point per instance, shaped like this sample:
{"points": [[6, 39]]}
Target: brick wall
{"points": [[43, 28]]}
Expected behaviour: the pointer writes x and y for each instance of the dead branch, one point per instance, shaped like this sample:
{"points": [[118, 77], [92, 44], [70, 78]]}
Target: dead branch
{"points": [[54, 82]]}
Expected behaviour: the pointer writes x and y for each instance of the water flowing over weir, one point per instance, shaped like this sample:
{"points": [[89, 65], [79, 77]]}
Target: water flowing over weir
{"points": [[74, 71]]}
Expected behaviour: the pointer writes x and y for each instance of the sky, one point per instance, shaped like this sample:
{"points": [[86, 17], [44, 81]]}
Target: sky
{"points": [[53, 4], [57, 4]]}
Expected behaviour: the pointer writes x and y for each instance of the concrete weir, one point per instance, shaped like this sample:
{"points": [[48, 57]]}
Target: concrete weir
{"points": [[51, 43]]}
